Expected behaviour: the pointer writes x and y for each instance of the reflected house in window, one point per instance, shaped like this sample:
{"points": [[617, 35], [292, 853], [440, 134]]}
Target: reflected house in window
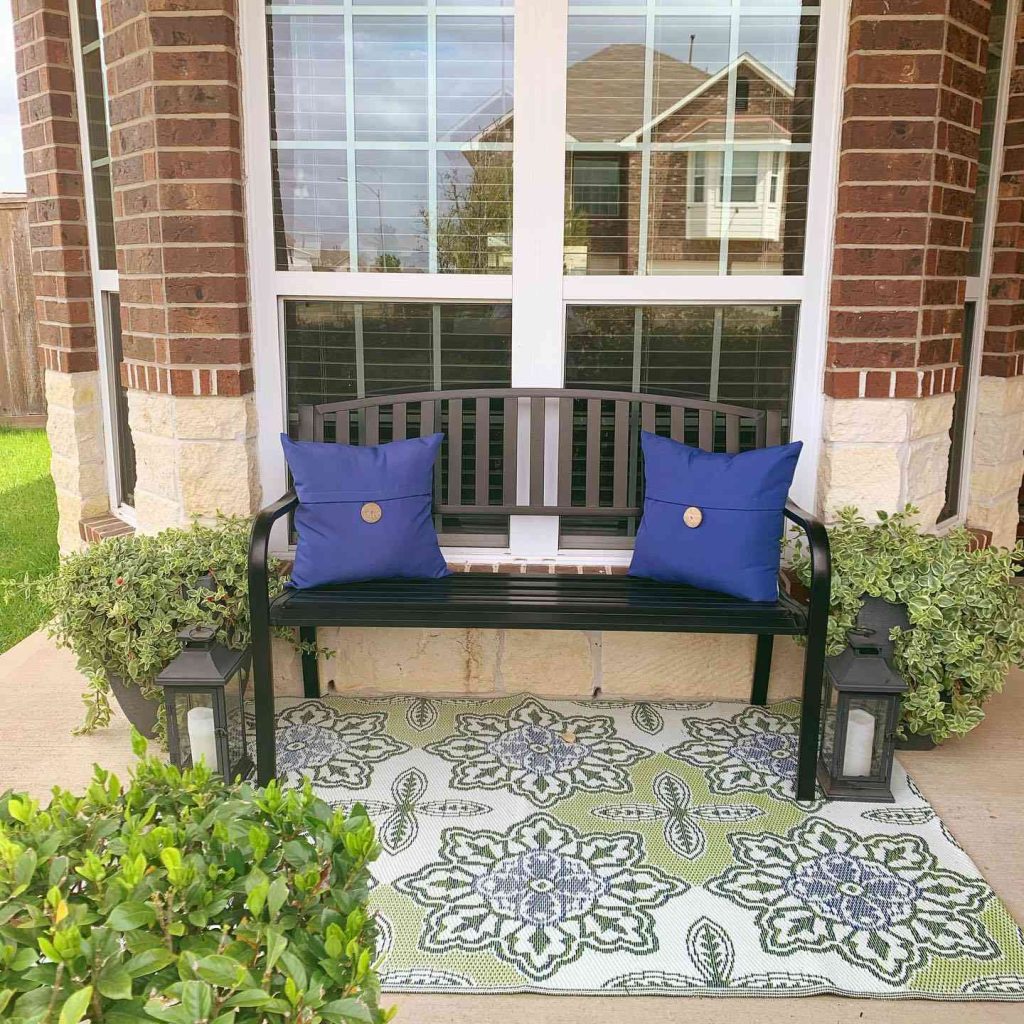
{"points": [[717, 150]]}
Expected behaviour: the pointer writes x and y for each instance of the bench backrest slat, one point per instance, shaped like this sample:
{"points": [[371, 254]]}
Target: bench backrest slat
{"points": [[589, 437]]}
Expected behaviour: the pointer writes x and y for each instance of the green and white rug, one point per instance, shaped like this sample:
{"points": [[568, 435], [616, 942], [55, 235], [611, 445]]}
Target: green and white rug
{"points": [[607, 847]]}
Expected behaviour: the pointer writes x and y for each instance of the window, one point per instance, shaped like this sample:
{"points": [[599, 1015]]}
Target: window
{"points": [[993, 72], [595, 186], [666, 83], [337, 350], [391, 137], [742, 355], [958, 426], [124, 446], [744, 179], [698, 161], [98, 131], [386, 164], [742, 95]]}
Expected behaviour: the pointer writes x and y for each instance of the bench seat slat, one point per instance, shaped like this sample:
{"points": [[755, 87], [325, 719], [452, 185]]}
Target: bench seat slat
{"points": [[542, 602]]}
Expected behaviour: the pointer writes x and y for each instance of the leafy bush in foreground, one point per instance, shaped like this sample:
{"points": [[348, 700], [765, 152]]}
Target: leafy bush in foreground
{"points": [[180, 899]]}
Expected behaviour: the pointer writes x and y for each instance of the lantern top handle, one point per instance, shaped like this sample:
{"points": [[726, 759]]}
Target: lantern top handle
{"points": [[197, 637]]}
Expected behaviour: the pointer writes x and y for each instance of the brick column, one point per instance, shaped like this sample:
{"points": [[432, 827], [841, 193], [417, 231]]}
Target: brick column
{"points": [[60, 261], [997, 465], [911, 121], [172, 73]]}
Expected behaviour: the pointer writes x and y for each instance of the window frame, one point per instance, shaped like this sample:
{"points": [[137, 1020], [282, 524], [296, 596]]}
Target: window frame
{"points": [[104, 282], [537, 287]]}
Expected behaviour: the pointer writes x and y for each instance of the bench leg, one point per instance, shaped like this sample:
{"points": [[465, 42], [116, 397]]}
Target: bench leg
{"points": [[263, 699], [310, 668], [810, 710], [762, 669]]}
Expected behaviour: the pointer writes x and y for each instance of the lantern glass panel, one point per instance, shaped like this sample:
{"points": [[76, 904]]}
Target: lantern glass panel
{"points": [[867, 726], [828, 724], [234, 699], [193, 712]]}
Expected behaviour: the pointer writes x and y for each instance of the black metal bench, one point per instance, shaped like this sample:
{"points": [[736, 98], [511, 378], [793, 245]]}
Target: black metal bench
{"points": [[493, 463]]}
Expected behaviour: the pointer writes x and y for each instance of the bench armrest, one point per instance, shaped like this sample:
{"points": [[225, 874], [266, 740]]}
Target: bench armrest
{"points": [[821, 565], [259, 542]]}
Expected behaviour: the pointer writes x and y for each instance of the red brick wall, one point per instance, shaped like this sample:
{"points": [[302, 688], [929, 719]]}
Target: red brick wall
{"points": [[1003, 355], [911, 120], [53, 172], [172, 72]]}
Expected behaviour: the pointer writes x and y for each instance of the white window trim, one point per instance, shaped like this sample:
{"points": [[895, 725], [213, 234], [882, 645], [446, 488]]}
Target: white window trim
{"points": [[103, 281], [537, 288]]}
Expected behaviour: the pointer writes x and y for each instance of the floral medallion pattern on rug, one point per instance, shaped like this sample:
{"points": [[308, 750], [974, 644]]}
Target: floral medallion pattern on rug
{"points": [[578, 847], [881, 902], [333, 749], [539, 754], [541, 895], [754, 751]]}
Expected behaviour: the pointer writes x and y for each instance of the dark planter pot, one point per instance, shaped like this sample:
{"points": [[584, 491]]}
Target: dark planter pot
{"points": [[916, 742], [139, 710]]}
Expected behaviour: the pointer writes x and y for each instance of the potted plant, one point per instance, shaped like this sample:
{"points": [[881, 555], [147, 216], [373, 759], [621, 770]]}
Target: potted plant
{"points": [[120, 603], [966, 613]]}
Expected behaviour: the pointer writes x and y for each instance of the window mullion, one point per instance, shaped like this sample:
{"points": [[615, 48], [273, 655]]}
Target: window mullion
{"points": [[538, 198]]}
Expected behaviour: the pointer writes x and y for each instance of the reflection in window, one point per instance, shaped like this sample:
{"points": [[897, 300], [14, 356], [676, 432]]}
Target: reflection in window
{"points": [[95, 90], [337, 350], [993, 69], [392, 136], [739, 355], [709, 116], [124, 445]]}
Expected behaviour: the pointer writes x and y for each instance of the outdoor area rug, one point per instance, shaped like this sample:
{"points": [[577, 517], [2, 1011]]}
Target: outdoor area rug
{"points": [[612, 847]]}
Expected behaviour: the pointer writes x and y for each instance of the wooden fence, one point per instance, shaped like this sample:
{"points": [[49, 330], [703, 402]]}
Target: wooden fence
{"points": [[21, 379]]}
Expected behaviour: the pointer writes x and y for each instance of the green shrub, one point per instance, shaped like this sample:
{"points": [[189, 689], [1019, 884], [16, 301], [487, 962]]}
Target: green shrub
{"points": [[120, 603], [967, 613], [180, 899]]}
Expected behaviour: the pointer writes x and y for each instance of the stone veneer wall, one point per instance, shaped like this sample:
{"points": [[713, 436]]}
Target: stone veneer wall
{"points": [[176, 165]]}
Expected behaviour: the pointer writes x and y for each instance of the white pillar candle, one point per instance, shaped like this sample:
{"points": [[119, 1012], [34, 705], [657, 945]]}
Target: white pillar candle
{"points": [[860, 740], [201, 736]]}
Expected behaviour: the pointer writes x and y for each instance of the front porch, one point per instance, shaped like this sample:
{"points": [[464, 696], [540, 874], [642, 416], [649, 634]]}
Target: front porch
{"points": [[971, 783]]}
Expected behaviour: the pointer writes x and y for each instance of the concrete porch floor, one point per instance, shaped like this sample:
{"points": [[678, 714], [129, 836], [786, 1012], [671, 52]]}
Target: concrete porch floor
{"points": [[975, 785]]}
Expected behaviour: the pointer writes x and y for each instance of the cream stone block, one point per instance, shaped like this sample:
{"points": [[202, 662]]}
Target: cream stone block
{"points": [[990, 482], [869, 477], [72, 432], [866, 419], [72, 390], [220, 419], [549, 663], [386, 660], [150, 413], [927, 467], [218, 476], [1000, 517], [154, 512], [1000, 396], [932, 415], [929, 508], [287, 669], [156, 464], [84, 479], [676, 666], [997, 439]]}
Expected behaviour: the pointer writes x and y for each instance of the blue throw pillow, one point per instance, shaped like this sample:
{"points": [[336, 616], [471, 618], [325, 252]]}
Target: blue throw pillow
{"points": [[364, 511], [711, 520]]}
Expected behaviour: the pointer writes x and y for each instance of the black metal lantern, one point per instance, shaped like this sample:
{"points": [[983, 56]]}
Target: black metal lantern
{"points": [[204, 689], [861, 715]]}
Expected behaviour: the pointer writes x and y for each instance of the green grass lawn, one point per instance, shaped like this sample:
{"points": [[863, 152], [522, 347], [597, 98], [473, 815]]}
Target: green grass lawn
{"points": [[28, 525]]}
